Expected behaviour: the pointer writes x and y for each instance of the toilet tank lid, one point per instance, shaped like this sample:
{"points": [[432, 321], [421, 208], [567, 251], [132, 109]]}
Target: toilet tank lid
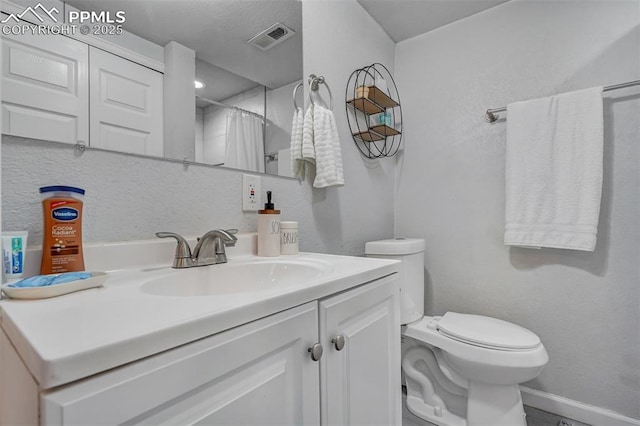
{"points": [[396, 246]]}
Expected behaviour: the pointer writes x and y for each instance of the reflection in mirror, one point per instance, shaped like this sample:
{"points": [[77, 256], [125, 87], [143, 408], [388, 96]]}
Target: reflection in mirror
{"points": [[244, 106]]}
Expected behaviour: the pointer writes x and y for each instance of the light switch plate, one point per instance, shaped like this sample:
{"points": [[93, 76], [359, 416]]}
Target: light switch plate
{"points": [[251, 193]]}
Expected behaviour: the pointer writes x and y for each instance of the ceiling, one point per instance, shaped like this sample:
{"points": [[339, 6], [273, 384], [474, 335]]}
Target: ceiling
{"points": [[403, 19], [218, 31]]}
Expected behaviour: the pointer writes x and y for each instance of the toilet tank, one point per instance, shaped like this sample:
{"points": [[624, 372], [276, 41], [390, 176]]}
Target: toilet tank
{"points": [[410, 251]]}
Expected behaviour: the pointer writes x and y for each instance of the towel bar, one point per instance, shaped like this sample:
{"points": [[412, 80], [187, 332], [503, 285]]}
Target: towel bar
{"points": [[491, 115], [295, 92]]}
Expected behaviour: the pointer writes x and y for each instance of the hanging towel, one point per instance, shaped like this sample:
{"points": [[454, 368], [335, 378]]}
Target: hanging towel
{"points": [[308, 149], [554, 171], [328, 152], [297, 162]]}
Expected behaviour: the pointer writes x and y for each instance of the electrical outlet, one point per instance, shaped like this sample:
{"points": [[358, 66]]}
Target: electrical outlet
{"points": [[251, 193]]}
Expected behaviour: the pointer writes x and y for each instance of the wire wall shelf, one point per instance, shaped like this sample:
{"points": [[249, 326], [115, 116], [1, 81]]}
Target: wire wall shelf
{"points": [[374, 112]]}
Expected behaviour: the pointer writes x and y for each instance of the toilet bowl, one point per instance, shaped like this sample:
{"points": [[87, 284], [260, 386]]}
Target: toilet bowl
{"points": [[458, 369]]}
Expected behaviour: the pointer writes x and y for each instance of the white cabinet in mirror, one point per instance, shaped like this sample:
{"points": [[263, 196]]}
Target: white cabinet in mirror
{"points": [[118, 91]]}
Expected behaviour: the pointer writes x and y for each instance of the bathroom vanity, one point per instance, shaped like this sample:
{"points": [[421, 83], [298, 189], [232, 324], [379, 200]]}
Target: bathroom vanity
{"points": [[305, 339]]}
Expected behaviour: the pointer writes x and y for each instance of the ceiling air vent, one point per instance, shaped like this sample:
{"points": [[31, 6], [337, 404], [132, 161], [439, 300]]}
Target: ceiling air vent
{"points": [[275, 34]]}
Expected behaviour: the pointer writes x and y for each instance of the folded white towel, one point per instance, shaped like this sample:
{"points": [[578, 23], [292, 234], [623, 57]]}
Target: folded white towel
{"points": [[554, 171], [297, 162], [328, 152]]}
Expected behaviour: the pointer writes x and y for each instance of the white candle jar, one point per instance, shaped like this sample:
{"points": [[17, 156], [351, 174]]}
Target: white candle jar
{"points": [[288, 237]]}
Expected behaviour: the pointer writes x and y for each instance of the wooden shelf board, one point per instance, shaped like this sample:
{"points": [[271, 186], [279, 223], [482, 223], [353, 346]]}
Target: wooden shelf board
{"points": [[381, 98], [365, 105], [368, 136], [385, 130], [376, 101]]}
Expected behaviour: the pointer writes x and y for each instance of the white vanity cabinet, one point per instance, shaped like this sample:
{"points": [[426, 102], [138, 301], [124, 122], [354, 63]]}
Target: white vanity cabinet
{"points": [[360, 372], [59, 89], [259, 373]]}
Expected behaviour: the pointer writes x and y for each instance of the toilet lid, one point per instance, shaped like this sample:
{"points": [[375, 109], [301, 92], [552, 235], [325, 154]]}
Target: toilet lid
{"points": [[486, 332]]}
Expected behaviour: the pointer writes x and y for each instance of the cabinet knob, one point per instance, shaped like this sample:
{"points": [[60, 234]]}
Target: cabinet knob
{"points": [[338, 342], [316, 351]]}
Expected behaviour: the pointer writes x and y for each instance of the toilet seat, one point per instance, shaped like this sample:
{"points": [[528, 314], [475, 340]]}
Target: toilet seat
{"points": [[486, 332]]}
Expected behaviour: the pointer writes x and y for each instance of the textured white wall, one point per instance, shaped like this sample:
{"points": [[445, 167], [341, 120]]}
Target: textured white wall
{"points": [[132, 198], [340, 36], [584, 306]]}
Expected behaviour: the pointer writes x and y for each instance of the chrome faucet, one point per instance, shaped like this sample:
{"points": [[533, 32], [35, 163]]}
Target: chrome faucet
{"points": [[209, 250]]}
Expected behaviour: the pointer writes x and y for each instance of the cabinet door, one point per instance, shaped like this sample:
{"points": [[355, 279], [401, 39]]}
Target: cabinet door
{"points": [[45, 88], [126, 105], [361, 382], [256, 374]]}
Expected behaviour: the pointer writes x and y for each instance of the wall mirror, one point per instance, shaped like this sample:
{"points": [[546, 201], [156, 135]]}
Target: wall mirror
{"points": [[244, 98]]}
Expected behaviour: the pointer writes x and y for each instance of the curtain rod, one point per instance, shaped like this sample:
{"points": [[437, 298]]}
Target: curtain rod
{"points": [[491, 115], [260, 116]]}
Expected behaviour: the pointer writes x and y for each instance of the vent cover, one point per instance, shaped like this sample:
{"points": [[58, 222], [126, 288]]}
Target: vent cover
{"points": [[275, 34]]}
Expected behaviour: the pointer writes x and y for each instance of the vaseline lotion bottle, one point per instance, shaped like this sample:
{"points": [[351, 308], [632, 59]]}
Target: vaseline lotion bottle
{"points": [[62, 239], [269, 229]]}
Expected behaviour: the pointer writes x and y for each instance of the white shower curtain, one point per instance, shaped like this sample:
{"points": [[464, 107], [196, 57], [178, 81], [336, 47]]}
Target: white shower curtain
{"points": [[244, 144]]}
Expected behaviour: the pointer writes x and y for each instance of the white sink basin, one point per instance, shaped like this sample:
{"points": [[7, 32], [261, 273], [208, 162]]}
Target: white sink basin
{"points": [[234, 278]]}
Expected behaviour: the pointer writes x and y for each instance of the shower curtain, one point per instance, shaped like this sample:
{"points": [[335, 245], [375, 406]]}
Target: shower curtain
{"points": [[244, 142]]}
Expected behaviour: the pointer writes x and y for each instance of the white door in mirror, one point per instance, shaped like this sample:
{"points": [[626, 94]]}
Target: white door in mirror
{"points": [[45, 93], [126, 105]]}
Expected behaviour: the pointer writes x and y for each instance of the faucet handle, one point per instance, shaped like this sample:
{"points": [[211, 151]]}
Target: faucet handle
{"points": [[182, 249], [230, 242]]}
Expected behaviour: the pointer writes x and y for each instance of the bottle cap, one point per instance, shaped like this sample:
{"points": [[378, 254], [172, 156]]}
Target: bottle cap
{"points": [[60, 188]]}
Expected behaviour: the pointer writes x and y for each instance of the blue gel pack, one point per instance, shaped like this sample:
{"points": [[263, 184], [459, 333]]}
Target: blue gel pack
{"points": [[47, 280]]}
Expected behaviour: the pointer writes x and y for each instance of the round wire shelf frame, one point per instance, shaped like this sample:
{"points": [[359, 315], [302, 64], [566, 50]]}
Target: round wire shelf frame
{"points": [[381, 140]]}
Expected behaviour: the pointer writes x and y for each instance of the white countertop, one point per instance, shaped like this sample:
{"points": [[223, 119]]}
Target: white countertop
{"points": [[70, 337]]}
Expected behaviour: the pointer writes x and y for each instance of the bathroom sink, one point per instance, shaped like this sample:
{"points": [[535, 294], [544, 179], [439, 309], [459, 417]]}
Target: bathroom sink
{"points": [[234, 278]]}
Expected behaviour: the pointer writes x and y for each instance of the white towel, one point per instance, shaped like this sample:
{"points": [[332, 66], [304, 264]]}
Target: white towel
{"points": [[308, 150], [554, 171], [297, 162], [328, 152]]}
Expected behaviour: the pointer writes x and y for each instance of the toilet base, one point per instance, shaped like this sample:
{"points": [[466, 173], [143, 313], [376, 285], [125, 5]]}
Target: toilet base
{"points": [[487, 405], [497, 405], [437, 395], [438, 415]]}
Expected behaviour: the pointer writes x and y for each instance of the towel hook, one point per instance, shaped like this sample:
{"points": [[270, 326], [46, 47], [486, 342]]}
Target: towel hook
{"points": [[314, 83], [295, 92]]}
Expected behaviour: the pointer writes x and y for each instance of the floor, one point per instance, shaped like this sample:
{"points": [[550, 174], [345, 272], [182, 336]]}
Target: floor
{"points": [[535, 417]]}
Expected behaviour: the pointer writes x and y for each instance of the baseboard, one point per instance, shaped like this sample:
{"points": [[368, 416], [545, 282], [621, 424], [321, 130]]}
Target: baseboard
{"points": [[574, 410]]}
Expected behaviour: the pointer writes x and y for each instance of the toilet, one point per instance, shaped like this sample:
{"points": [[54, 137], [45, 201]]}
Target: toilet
{"points": [[459, 369]]}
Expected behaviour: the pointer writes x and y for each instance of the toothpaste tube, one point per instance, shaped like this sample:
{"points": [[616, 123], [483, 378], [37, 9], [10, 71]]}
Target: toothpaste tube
{"points": [[14, 245]]}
